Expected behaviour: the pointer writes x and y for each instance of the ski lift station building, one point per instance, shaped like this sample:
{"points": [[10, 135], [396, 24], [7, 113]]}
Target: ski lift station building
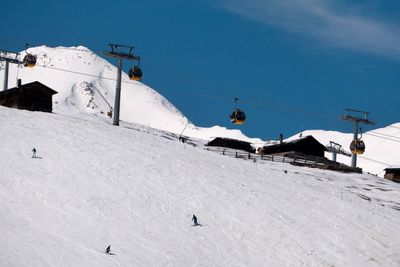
{"points": [[33, 96], [393, 174], [306, 145]]}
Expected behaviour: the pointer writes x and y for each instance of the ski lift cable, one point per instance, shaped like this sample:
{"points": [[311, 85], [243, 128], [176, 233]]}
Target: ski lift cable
{"points": [[382, 137], [281, 108], [82, 73], [103, 98], [77, 72], [268, 106], [273, 107], [85, 74]]}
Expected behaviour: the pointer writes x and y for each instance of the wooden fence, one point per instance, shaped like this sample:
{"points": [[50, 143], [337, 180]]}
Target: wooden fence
{"points": [[294, 159]]}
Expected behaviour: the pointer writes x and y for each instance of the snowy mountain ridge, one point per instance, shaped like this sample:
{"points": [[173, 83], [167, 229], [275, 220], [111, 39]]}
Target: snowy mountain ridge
{"points": [[85, 84]]}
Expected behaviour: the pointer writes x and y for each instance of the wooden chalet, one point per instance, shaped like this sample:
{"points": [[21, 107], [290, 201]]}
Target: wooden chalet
{"points": [[307, 145], [33, 96], [393, 174], [231, 143]]}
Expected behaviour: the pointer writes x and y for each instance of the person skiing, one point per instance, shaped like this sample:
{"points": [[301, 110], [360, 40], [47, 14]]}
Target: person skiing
{"points": [[108, 249], [34, 153], [194, 219]]}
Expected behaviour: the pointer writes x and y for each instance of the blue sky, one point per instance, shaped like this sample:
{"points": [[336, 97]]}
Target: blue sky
{"points": [[294, 64]]}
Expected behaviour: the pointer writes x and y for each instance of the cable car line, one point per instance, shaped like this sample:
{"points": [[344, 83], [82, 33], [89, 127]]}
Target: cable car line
{"points": [[273, 107], [398, 141], [135, 73], [237, 117], [77, 72], [138, 74], [385, 135], [82, 73]]}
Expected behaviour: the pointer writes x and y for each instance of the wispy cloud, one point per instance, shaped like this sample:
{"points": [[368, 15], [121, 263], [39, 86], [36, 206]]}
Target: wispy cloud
{"points": [[331, 22]]}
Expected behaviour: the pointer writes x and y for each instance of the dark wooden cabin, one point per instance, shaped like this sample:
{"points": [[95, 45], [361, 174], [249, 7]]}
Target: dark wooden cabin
{"points": [[307, 145], [33, 96], [231, 143], [393, 174]]}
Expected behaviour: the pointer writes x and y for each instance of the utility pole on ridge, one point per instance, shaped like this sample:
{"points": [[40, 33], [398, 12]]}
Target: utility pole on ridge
{"points": [[117, 51]]}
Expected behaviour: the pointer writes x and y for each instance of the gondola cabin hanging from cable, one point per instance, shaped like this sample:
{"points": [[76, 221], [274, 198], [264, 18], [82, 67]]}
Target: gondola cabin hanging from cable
{"points": [[237, 117], [29, 60], [357, 146], [135, 73]]}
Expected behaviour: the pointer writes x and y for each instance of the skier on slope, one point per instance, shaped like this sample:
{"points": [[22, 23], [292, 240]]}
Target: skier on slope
{"points": [[194, 219]]}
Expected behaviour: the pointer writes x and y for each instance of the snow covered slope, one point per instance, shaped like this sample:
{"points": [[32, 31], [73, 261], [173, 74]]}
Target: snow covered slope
{"points": [[86, 82], [96, 185], [382, 147]]}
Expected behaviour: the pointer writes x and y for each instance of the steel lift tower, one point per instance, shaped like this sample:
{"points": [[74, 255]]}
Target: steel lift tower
{"points": [[8, 60], [335, 149], [29, 61], [120, 52], [357, 120]]}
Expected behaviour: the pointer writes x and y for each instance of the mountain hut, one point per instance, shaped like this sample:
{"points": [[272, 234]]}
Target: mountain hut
{"points": [[306, 145], [33, 96], [232, 143], [393, 174]]}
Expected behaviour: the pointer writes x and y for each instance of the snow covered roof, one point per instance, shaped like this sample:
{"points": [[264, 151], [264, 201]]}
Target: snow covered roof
{"points": [[393, 169], [307, 145], [31, 86], [231, 143], [33, 96]]}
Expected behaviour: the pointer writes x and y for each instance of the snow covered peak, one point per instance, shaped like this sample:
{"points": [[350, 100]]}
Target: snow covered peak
{"points": [[86, 83]]}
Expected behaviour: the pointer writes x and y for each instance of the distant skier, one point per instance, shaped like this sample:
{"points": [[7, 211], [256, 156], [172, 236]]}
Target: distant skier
{"points": [[108, 249], [194, 219], [34, 153]]}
